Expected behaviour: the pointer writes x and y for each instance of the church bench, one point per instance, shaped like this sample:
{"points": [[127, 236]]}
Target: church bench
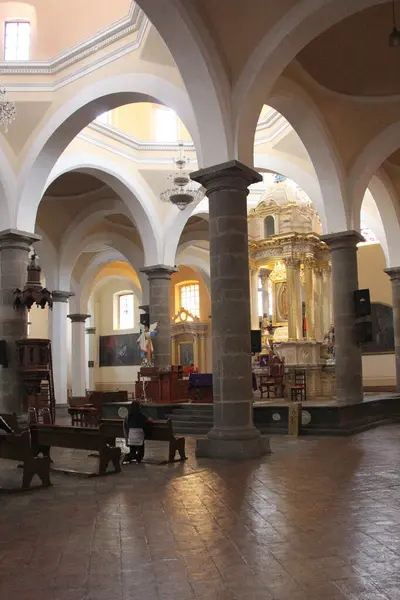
{"points": [[158, 431], [17, 446], [92, 439]]}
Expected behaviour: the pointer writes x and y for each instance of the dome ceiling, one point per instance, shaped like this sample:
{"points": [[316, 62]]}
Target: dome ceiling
{"points": [[354, 57]]}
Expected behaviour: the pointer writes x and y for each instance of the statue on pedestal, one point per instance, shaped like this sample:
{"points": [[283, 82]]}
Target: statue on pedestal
{"points": [[329, 342], [145, 343]]}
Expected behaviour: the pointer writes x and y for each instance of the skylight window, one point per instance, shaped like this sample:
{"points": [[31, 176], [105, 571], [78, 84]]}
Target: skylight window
{"points": [[166, 125]]}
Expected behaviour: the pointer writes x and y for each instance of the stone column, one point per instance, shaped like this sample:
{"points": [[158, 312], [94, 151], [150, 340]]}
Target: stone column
{"points": [[265, 273], [292, 285], [58, 333], [394, 274], [309, 298], [14, 255], [92, 358], [233, 434], [78, 363], [255, 317], [343, 247], [159, 277]]}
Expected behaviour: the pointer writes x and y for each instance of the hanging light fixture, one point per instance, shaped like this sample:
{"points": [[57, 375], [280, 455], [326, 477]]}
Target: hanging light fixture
{"points": [[394, 37], [7, 109], [183, 193], [33, 292]]}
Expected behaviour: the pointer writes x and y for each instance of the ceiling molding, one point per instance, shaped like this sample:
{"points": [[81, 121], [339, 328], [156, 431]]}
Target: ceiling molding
{"points": [[133, 21]]}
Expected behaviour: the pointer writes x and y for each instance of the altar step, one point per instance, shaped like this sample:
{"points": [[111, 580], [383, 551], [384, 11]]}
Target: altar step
{"points": [[192, 418]]}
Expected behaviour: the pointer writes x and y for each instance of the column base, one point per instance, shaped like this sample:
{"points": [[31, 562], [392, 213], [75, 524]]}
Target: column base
{"points": [[233, 449]]}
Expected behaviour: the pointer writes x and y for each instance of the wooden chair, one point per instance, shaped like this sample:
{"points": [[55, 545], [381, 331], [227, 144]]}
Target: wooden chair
{"points": [[299, 389]]}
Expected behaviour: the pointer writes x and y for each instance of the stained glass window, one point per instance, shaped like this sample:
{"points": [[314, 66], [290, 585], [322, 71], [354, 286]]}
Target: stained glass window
{"points": [[17, 37], [126, 311], [190, 298]]}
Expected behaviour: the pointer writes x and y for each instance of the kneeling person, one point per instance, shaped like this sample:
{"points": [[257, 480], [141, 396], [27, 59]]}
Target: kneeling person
{"points": [[134, 425]]}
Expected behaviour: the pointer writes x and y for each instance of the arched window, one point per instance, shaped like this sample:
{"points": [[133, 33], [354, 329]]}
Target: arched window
{"points": [[166, 125], [189, 296], [17, 36], [269, 226], [125, 306]]}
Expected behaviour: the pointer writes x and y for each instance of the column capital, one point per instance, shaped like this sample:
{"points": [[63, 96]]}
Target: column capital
{"points": [[230, 174], [291, 262], [90, 330], [393, 272], [13, 238], [78, 318], [264, 274], [342, 239], [61, 296], [158, 271]]}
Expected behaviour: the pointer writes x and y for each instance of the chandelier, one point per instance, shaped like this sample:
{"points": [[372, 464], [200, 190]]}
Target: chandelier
{"points": [[7, 109], [183, 193], [33, 291]]}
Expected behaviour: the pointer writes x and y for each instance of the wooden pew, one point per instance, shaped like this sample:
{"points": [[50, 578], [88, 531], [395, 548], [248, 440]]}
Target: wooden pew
{"points": [[78, 438], [17, 447], [159, 431]]}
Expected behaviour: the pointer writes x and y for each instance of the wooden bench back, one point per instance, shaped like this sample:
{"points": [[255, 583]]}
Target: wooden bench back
{"points": [[78, 438], [17, 446], [161, 431]]}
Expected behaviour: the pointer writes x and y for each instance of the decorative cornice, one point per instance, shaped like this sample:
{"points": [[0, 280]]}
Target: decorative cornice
{"points": [[135, 20], [61, 296]]}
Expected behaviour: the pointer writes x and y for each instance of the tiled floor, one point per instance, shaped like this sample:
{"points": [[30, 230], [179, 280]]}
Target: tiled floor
{"points": [[317, 519]]}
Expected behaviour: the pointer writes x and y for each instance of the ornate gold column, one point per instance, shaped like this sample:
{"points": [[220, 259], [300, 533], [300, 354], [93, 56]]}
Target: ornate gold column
{"points": [[255, 318], [309, 264], [292, 286], [173, 351], [327, 298], [196, 350], [319, 305], [203, 361], [264, 274]]}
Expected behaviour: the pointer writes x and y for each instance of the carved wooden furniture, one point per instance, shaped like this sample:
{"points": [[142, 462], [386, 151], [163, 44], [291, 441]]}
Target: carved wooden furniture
{"points": [[36, 370], [271, 378], [17, 446], [86, 411], [165, 386], [94, 439], [160, 431], [299, 389], [84, 416]]}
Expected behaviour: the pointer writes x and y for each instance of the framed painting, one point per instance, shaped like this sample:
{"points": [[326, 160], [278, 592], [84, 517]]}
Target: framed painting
{"points": [[186, 353], [119, 350], [382, 330]]}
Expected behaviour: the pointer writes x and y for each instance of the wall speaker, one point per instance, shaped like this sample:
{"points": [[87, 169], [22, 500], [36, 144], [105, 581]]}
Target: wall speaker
{"points": [[362, 303], [255, 341], [364, 332], [3, 353], [145, 319]]}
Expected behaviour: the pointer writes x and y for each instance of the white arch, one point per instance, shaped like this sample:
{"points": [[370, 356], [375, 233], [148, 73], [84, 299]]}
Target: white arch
{"points": [[386, 201], [307, 181], [122, 245], [8, 186], [199, 260], [278, 47], [79, 111], [370, 160], [297, 107], [203, 73], [133, 191]]}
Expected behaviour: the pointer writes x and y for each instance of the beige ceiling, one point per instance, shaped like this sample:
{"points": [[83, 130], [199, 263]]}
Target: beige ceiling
{"points": [[74, 184], [354, 57]]}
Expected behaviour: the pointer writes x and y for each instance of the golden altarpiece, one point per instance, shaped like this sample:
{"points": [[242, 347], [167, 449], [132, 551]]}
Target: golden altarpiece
{"points": [[290, 268], [189, 340]]}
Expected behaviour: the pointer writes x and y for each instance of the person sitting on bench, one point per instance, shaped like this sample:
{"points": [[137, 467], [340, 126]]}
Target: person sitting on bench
{"points": [[134, 426], [4, 429]]}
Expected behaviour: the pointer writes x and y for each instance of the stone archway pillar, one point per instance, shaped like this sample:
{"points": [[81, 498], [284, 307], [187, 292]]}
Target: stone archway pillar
{"points": [[159, 277], [14, 256], [78, 363], [233, 434], [394, 274], [92, 349], [343, 247], [58, 333]]}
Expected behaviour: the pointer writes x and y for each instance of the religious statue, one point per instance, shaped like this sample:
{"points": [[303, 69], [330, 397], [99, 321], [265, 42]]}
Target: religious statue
{"points": [[145, 342]]}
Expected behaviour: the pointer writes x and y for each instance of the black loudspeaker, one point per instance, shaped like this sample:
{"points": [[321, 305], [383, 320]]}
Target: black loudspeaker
{"points": [[145, 319], [362, 303], [255, 341], [3, 353], [364, 332]]}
